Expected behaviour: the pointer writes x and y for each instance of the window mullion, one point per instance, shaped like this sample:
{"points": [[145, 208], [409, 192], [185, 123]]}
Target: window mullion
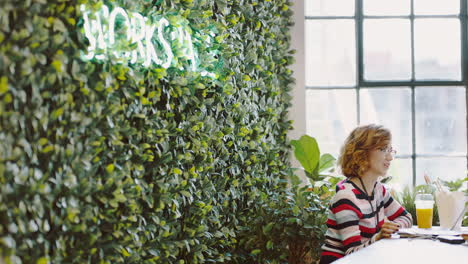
{"points": [[359, 42], [359, 56], [413, 95], [464, 55], [464, 40]]}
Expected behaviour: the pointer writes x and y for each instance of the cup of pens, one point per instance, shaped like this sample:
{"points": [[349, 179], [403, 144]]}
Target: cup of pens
{"points": [[424, 209], [451, 208], [450, 205]]}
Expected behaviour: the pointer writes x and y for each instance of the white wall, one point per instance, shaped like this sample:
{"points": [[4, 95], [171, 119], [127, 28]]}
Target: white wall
{"points": [[297, 111]]}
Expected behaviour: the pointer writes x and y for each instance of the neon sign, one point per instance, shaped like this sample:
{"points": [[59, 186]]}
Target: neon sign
{"points": [[128, 37]]}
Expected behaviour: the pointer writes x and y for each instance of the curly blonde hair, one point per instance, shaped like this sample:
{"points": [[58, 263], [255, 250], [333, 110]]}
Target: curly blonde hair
{"points": [[354, 154]]}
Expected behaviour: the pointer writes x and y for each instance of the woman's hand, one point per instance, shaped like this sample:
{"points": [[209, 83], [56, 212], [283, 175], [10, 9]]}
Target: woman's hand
{"points": [[388, 228]]}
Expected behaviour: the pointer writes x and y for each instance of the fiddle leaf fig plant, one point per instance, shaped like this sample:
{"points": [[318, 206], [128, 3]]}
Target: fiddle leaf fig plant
{"points": [[310, 200], [307, 153], [316, 167]]}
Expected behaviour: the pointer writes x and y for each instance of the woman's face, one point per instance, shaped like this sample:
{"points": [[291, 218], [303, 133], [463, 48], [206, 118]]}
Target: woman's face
{"points": [[380, 159]]}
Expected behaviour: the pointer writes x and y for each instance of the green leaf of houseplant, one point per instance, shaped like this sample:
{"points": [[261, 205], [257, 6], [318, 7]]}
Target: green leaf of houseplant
{"points": [[307, 152], [326, 161]]}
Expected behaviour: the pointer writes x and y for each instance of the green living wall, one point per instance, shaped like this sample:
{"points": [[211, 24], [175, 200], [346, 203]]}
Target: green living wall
{"points": [[103, 160]]}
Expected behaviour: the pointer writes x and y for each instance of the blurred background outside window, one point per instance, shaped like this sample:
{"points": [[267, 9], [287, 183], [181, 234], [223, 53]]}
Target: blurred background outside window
{"points": [[400, 63]]}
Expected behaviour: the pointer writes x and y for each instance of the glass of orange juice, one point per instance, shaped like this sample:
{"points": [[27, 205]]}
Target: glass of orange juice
{"points": [[424, 210]]}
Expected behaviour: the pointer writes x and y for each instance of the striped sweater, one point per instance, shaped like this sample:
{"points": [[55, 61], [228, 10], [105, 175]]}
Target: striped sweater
{"points": [[352, 221]]}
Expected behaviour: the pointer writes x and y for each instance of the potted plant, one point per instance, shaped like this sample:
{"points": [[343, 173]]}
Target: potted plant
{"points": [[321, 181]]}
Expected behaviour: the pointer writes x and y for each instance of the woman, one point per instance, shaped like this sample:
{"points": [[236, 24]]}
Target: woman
{"points": [[362, 210]]}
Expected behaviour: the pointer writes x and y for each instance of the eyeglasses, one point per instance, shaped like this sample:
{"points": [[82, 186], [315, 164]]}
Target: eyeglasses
{"points": [[388, 150]]}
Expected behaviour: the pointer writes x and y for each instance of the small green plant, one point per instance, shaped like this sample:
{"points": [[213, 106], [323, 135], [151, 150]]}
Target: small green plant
{"points": [[406, 198], [457, 185], [318, 168]]}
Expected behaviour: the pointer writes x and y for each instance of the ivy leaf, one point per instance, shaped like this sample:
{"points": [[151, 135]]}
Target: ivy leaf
{"points": [[3, 85], [110, 168], [42, 260], [58, 25], [267, 228], [255, 252]]}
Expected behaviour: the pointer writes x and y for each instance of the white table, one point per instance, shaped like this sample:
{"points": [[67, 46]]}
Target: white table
{"points": [[409, 250]]}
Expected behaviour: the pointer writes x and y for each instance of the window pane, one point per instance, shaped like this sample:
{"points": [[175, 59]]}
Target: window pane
{"points": [[329, 7], [387, 49], [436, 7], [440, 120], [330, 53], [401, 171], [331, 115], [386, 8], [437, 49], [392, 109], [447, 169]]}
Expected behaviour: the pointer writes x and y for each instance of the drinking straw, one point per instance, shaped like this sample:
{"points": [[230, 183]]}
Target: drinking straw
{"points": [[439, 185], [460, 216], [428, 180]]}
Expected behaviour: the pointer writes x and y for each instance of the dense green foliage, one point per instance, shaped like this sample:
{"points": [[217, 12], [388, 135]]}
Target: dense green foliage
{"points": [[105, 162], [290, 228], [292, 225]]}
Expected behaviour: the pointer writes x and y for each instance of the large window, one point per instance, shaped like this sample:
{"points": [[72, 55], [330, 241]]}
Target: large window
{"points": [[400, 63]]}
